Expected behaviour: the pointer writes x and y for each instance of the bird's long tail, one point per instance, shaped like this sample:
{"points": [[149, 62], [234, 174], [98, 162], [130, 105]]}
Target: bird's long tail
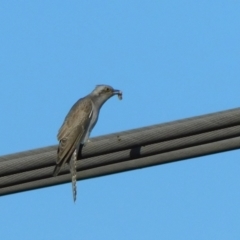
{"points": [[73, 169]]}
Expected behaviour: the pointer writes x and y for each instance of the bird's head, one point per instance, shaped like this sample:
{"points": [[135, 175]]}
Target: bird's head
{"points": [[104, 92]]}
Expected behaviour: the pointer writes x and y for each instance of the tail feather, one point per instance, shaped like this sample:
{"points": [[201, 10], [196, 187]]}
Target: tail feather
{"points": [[73, 169]]}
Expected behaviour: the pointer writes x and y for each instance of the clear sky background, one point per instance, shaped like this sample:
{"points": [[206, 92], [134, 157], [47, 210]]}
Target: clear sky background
{"points": [[172, 60]]}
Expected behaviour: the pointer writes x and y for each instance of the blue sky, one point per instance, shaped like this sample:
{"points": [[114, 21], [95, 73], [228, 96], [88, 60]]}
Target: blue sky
{"points": [[172, 60]]}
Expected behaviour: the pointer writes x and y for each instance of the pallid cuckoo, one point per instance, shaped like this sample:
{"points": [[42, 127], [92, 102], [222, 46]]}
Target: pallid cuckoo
{"points": [[77, 127]]}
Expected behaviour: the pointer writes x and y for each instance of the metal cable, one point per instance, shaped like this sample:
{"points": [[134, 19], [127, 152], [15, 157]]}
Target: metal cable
{"points": [[125, 151]]}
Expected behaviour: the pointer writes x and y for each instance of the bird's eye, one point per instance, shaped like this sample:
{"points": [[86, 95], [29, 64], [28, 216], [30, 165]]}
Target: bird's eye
{"points": [[107, 89]]}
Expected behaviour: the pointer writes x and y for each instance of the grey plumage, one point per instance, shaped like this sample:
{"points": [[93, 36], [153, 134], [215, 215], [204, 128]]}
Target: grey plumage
{"points": [[77, 127]]}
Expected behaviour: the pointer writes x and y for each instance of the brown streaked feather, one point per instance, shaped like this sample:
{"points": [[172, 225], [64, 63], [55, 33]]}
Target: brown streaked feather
{"points": [[73, 131], [83, 107], [67, 145], [67, 157]]}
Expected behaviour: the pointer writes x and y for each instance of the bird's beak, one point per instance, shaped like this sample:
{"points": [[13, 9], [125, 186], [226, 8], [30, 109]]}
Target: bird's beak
{"points": [[118, 92]]}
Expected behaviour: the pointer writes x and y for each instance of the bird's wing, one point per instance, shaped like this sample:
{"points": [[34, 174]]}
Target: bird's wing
{"points": [[74, 129], [78, 114]]}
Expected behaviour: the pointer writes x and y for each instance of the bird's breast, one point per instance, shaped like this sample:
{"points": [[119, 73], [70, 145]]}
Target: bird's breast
{"points": [[94, 118], [93, 121]]}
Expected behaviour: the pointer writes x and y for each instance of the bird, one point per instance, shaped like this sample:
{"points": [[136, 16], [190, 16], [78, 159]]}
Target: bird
{"points": [[77, 126]]}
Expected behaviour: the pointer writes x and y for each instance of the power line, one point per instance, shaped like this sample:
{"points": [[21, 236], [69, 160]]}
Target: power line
{"points": [[124, 151]]}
